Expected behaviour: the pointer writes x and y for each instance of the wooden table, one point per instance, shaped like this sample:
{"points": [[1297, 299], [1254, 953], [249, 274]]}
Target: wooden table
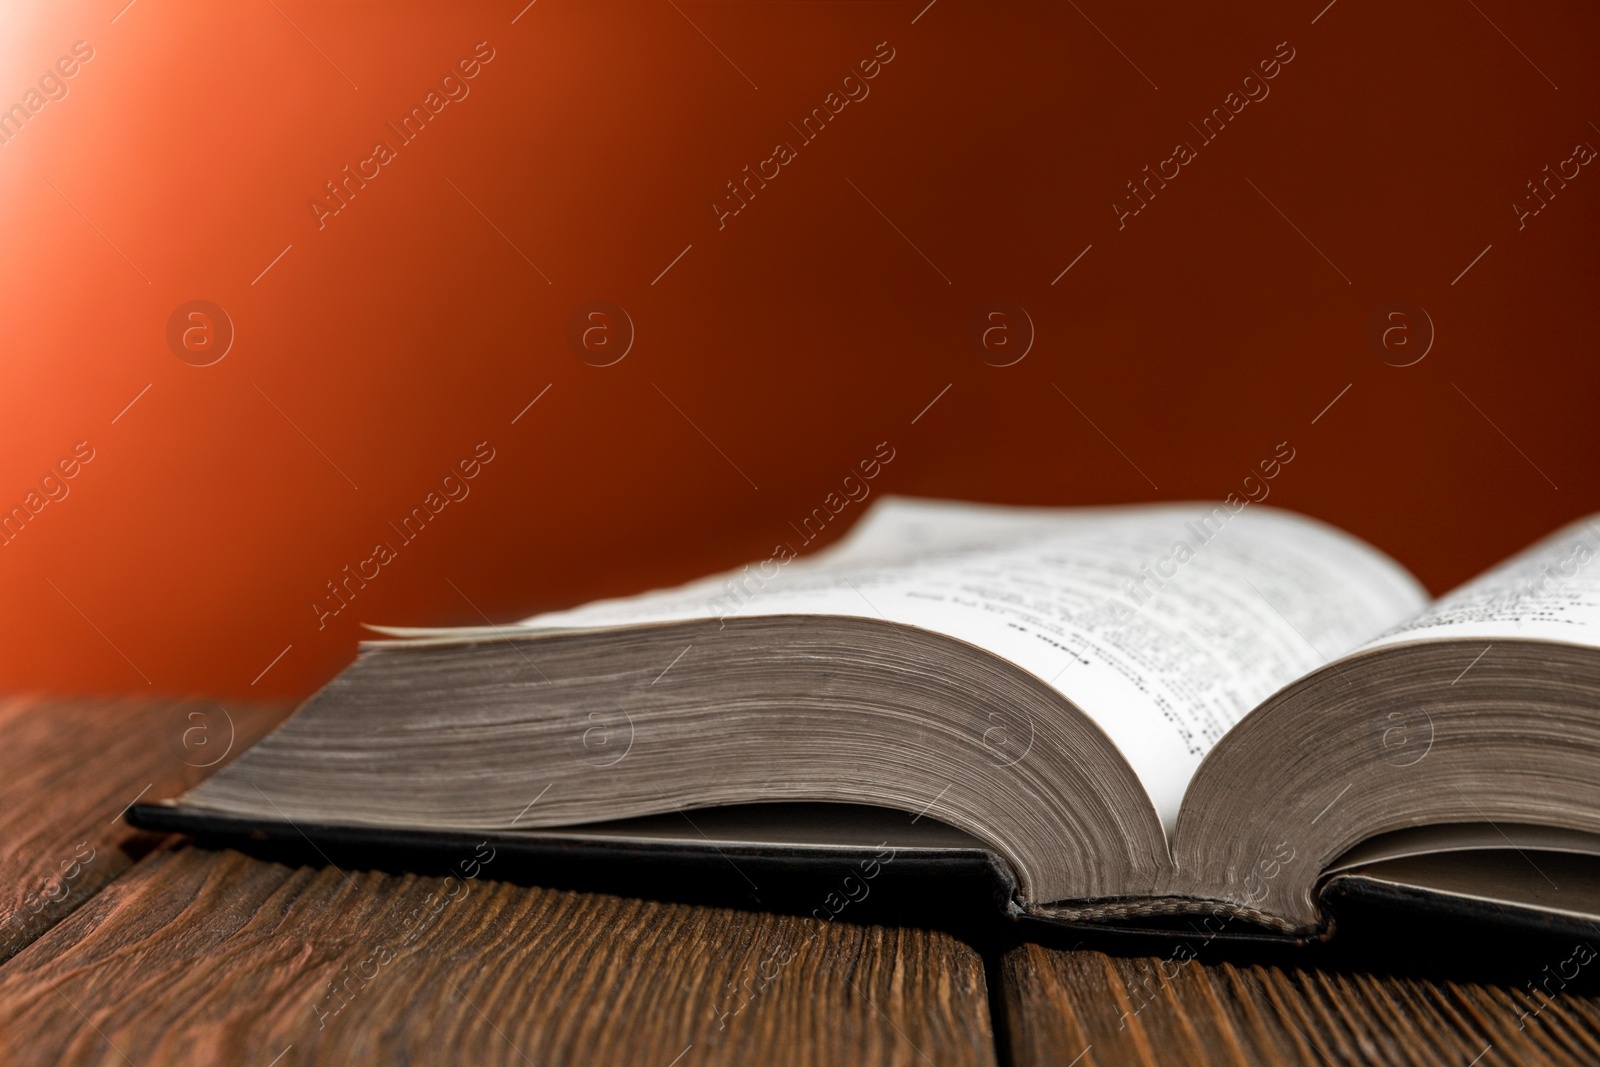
{"points": [[122, 947]]}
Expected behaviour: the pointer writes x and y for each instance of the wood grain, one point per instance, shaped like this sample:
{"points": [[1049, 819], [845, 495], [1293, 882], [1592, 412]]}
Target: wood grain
{"points": [[163, 952], [1088, 1008], [68, 768], [198, 956]]}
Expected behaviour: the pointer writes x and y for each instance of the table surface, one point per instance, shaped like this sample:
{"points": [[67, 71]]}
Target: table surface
{"points": [[124, 947]]}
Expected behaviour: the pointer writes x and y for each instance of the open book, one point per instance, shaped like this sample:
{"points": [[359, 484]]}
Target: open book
{"points": [[1141, 712]]}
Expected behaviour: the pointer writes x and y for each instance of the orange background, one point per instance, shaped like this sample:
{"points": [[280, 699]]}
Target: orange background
{"points": [[779, 349]]}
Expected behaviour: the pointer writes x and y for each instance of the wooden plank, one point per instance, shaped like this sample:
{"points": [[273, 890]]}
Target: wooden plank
{"points": [[67, 771], [1087, 1008], [215, 957]]}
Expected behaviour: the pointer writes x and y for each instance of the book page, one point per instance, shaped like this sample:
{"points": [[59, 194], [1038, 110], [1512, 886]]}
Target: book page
{"points": [[1165, 623], [1548, 591]]}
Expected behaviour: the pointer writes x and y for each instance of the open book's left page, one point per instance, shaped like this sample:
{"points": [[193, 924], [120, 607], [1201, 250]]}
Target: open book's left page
{"points": [[1165, 624]]}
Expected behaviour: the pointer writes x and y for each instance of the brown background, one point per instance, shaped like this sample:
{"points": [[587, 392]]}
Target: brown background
{"points": [[780, 349]]}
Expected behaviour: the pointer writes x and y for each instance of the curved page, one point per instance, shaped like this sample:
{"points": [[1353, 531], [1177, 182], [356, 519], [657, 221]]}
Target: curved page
{"points": [[1165, 623], [1549, 591]]}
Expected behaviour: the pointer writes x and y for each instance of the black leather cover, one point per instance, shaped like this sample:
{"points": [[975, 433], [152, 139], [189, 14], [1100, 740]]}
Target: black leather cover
{"points": [[950, 887], [918, 886]]}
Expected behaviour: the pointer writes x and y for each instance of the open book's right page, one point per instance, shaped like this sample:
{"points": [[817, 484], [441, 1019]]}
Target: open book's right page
{"points": [[1549, 591]]}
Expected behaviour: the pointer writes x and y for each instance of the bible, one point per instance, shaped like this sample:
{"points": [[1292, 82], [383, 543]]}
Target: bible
{"points": [[1132, 715]]}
